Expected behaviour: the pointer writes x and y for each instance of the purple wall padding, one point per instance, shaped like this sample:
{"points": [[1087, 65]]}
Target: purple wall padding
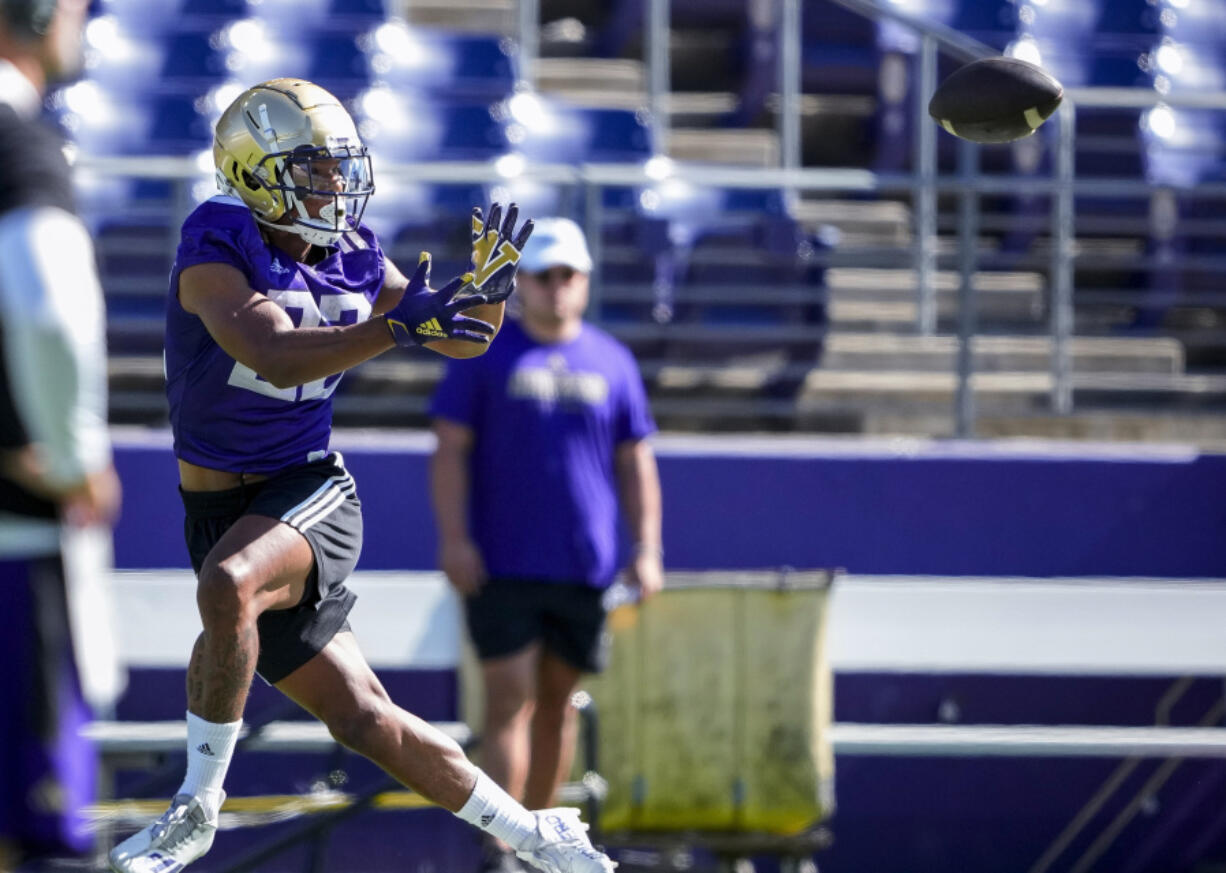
{"points": [[945, 509]]}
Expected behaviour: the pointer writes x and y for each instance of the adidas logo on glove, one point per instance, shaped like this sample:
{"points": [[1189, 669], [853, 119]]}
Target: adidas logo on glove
{"points": [[431, 328]]}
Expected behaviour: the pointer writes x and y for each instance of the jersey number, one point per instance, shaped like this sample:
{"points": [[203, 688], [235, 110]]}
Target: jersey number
{"points": [[332, 309]]}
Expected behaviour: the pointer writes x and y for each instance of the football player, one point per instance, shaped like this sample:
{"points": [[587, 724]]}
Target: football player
{"points": [[277, 288], [58, 490]]}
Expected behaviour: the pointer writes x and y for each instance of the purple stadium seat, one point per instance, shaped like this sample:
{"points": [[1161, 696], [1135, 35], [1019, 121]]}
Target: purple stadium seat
{"points": [[1129, 18], [442, 63], [1201, 23], [186, 60], [839, 50], [290, 17], [336, 59], [626, 20], [1184, 146], [414, 217], [104, 123], [992, 21], [405, 128], [397, 204], [533, 198], [550, 131], [259, 52], [158, 17]]}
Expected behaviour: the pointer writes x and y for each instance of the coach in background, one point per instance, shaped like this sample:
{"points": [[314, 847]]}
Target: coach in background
{"points": [[538, 443], [58, 490]]}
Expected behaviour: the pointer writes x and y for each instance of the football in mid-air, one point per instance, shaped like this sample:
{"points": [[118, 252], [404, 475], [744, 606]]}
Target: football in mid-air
{"points": [[995, 100]]}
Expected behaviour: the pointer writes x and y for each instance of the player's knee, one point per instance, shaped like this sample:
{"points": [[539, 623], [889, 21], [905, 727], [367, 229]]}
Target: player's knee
{"points": [[223, 593]]}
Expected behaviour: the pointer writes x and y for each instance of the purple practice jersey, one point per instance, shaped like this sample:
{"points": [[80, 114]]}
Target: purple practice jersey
{"points": [[223, 415], [547, 420]]}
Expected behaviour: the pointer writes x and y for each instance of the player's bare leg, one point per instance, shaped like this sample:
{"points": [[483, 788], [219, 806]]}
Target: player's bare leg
{"points": [[259, 564], [553, 731], [338, 687]]}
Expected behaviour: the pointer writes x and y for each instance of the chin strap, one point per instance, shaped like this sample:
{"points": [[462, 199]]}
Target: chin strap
{"points": [[314, 235]]}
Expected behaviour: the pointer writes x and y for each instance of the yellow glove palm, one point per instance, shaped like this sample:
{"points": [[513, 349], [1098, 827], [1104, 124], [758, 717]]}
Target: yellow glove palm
{"points": [[496, 251]]}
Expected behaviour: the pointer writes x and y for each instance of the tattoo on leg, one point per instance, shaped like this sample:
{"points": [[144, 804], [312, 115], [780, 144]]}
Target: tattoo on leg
{"points": [[223, 673], [195, 676]]}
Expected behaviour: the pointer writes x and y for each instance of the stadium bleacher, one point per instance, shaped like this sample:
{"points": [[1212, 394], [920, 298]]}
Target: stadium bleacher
{"points": [[683, 261]]}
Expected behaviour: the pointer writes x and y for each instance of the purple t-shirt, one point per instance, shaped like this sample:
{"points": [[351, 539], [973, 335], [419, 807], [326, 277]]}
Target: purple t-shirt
{"points": [[546, 421], [222, 414]]}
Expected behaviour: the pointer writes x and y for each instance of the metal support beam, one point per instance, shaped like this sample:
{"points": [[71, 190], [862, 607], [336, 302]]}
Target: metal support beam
{"points": [[968, 241], [924, 192], [789, 83], [1062, 253], [529, 39], [658, 59]]}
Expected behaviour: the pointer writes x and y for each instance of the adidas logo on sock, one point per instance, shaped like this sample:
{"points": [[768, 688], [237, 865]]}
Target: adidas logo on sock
{"points": [[486, 819], [204, 749]]}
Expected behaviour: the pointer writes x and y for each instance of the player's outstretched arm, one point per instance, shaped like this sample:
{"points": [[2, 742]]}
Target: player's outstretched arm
{"points": [[258, 333]]}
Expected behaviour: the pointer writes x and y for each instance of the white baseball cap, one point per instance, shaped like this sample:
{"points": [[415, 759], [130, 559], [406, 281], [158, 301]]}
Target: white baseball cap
{"points": [[555, 242]]}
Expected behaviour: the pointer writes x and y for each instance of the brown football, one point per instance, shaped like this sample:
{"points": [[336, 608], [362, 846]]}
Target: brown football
{"points": [[995, 100]]}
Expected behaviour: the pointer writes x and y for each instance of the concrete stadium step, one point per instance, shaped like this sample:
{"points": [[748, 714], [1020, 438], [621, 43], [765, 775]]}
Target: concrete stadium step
{"points": [[895, 317], [743, 147], [879, 351], [901, 284], [710, 415], [1206, 430], [906, 392], [867, 298], [700, 108], [419, 373], [470, 16], [710, 108], [604, 82], [859, 222]]}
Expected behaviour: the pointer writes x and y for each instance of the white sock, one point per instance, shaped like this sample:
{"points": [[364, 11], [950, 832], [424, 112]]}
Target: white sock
{"points": [[209, 749], [498, 813]]}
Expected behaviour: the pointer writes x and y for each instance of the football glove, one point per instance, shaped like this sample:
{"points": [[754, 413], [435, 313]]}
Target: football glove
{"points": [[496, 251], [423, 315]]}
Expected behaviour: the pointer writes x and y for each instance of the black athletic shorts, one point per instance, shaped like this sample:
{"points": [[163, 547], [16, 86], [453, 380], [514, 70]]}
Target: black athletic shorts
{"points": [[320, 501], [507, 615]]}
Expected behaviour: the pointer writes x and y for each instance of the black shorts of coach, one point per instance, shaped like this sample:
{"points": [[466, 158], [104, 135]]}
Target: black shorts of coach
{"points": [[320, 501], [507, 615]]}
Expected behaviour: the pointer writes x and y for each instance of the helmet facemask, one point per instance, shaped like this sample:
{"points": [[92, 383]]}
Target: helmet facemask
{"points": [[339, 177]]}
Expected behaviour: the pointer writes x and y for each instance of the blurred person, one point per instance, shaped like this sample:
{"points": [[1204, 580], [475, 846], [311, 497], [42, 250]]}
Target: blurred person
{"points": [[277, 289], [538, 443], [58, 490]]}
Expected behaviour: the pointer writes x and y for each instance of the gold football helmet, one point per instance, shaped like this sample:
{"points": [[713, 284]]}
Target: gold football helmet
{"points": [[288, 149]]}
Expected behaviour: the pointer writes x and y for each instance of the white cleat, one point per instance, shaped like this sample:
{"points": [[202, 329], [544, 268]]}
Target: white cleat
{"points": [[563, 846], [180, 836]]}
